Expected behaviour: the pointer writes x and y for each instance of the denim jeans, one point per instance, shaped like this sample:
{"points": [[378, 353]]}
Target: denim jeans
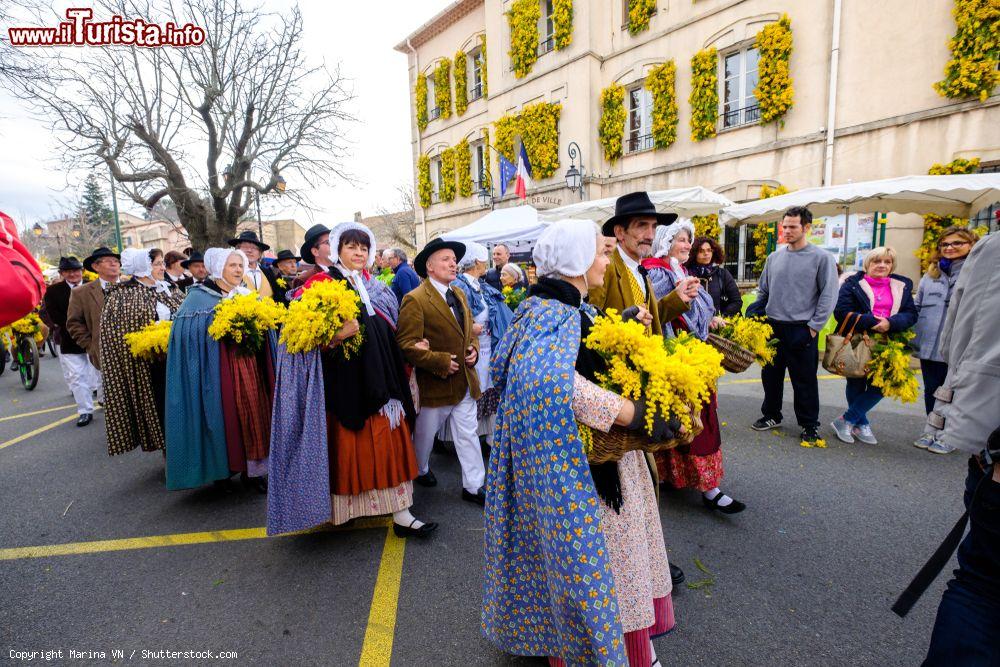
{"points": [[965, 631], [861, 398]]}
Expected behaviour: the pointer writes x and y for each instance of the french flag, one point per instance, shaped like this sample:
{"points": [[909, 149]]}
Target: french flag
{"points": [[523, 181]]}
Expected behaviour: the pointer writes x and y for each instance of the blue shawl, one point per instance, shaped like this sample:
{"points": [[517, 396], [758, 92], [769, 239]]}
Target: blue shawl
{"points": [[196, 433], [487, 296], [548, 588], [702, 309]]}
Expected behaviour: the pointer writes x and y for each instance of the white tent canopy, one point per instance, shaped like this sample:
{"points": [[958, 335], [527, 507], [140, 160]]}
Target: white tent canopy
{"points": [[961, 195], [518, 223], [685, 202]]}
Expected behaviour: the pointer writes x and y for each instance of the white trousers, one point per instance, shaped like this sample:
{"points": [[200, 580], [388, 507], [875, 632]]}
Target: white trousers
{"points": [[82, 379], [462, 422]]}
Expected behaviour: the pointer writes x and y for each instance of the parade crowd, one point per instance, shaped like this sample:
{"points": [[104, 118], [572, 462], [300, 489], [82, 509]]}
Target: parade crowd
{"points": [[576, 566]]}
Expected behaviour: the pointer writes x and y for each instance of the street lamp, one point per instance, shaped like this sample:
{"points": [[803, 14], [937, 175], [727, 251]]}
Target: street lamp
{"points": [[486, 191], [574, 176]]}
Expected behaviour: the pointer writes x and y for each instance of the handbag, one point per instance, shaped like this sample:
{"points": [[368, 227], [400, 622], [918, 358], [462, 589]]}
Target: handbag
{"points": [[847, 355]]}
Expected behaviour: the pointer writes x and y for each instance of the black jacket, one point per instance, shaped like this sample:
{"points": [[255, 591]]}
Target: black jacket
{"points": [[853, 299], [56, 305], [722, 286]]}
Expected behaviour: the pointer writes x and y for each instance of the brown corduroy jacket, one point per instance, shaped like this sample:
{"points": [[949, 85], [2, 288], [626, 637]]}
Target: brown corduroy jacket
{"points": [[83, 319], [616, 292], [425, 314]]}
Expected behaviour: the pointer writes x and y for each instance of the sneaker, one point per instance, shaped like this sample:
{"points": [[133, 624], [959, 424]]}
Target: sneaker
{"points": [[810, 438], [863, 432], [843, 429], [765, 424], [924, 441], [938, 447]]}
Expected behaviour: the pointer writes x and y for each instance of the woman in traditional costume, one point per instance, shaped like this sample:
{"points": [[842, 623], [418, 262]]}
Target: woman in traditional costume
{"points": [[219, 395], [355, 458], [698, 465], [576, 567], [491, 317], [134, 389]]}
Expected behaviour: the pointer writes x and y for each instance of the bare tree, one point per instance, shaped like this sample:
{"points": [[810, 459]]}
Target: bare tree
{"points": [[396, 226], [207, 126]]}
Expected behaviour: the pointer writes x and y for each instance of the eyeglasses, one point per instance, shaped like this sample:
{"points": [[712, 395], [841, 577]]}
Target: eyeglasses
{"points": [[953, 244]]}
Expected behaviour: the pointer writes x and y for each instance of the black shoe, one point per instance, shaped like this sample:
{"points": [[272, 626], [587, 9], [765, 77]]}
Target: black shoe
{"points": [[765, 424], [676, 575], [479, 497], [734, 507], [224, 485], [427, 479], [85, 419], [408, 531], [810, 434], [258, 484]]}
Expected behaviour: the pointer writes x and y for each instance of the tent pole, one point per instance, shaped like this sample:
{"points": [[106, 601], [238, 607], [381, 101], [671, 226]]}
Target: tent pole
{"points": [[847, 227]]}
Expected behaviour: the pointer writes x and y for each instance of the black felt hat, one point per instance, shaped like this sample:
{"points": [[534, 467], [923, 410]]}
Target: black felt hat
{"points": [[312, 235], [103, 251], [69, 264], [286, 254], [633, 205], [420, 261], [249, 237], [195, 257]]}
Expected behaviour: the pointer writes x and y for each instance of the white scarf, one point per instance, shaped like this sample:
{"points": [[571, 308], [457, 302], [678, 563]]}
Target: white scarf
{"points": [[358, 282]]}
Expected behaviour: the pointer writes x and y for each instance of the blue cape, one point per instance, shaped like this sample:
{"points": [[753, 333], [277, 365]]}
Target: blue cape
{"points": [[500, 315], [196, 433], [548, 588]]}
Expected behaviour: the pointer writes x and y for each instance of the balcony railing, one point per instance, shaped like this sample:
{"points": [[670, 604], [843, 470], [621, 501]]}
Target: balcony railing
{"points": [[636, 143], [434, 113], [476, 92], [546, 45], [738, 117]]}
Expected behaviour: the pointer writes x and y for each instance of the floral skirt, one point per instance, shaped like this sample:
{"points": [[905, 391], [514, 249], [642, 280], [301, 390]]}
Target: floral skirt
{"points": [[683, 471]]}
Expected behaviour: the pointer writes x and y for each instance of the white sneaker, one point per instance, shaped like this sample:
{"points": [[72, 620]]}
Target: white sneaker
{"points": [[924, 441], [863, 432], [843, 429], [938, 447]]}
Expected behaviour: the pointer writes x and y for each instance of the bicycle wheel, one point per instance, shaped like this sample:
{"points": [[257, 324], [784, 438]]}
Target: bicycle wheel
{"points": [[51, 345], [28, 362], [4, 358]]}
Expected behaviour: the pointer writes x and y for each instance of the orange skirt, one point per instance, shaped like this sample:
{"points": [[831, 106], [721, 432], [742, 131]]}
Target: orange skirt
{"points": [[376, 457]]}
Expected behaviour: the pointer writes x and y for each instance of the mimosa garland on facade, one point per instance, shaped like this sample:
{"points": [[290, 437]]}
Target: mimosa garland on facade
{"points": [[461, 83], [314, 319], [661, 83], [639, 14], [707, 225], [463, 167], [612, 125], [765, 231], [447, 185], [935, 224], [523, 17], [151, 341], [538, 127], [246, 320], [420, 99], [425, 189], [562, 19], [774, 92], [442, 87], [482, 49], [889, 368], [975, 51], [675, 377], [752, 333], [704, 98]]}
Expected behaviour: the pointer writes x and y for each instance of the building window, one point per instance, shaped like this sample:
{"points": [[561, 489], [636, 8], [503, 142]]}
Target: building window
{"points": [[478, 165], [739, 78], [639, 127], [546, 29], [988, 216], [433, 111], [436, 180], [475, 60]]}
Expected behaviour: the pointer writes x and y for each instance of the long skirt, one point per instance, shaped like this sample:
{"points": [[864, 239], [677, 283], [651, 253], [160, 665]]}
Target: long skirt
{"points": [[698, 465], [371, 470], [247, 389]]}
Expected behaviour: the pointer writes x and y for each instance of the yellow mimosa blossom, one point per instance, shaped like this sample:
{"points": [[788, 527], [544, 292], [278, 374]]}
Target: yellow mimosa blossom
{"points": [[29, 325], [149, 342], [314, 319], [245, 320], [752, 333], [889, 369]]}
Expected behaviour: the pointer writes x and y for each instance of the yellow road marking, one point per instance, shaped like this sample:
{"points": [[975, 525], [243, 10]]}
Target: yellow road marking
{"points": [[377, 647], [43, 429], [37, 412], [175, 540]]}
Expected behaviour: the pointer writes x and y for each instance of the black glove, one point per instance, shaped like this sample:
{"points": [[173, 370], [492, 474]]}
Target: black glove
{"points": [[630, 314], [663, 429]]}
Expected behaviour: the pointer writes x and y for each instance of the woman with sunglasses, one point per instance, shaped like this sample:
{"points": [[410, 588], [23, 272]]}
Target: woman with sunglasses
{"points": [[933, 295]]}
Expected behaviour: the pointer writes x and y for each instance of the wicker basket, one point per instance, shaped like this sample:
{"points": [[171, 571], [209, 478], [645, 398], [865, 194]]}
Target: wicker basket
{"points": [[735, 358], [614, 444]]}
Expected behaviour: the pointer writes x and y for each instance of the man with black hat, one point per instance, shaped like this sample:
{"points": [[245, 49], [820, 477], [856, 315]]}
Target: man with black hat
{"points": [[626, 286], [287, 269], [315, 252], [86, 303], [195, 265], [436, 336], [80, 375], [258, 278]]}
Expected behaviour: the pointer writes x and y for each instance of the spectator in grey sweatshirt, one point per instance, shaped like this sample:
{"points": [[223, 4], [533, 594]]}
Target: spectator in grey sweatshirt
{"points": [[797, 293]]}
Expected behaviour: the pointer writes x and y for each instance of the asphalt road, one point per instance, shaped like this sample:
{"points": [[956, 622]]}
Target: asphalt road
{"points": [[805, 576]]}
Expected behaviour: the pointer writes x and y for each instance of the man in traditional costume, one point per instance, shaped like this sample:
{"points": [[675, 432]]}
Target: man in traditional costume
{"points": [[315, 253], [627, 287], [83, 317], [575, 564], [446, 373], [258, 278], [80, 375], [355, 458], [218, 397], [174, 270], [195, 265]]}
